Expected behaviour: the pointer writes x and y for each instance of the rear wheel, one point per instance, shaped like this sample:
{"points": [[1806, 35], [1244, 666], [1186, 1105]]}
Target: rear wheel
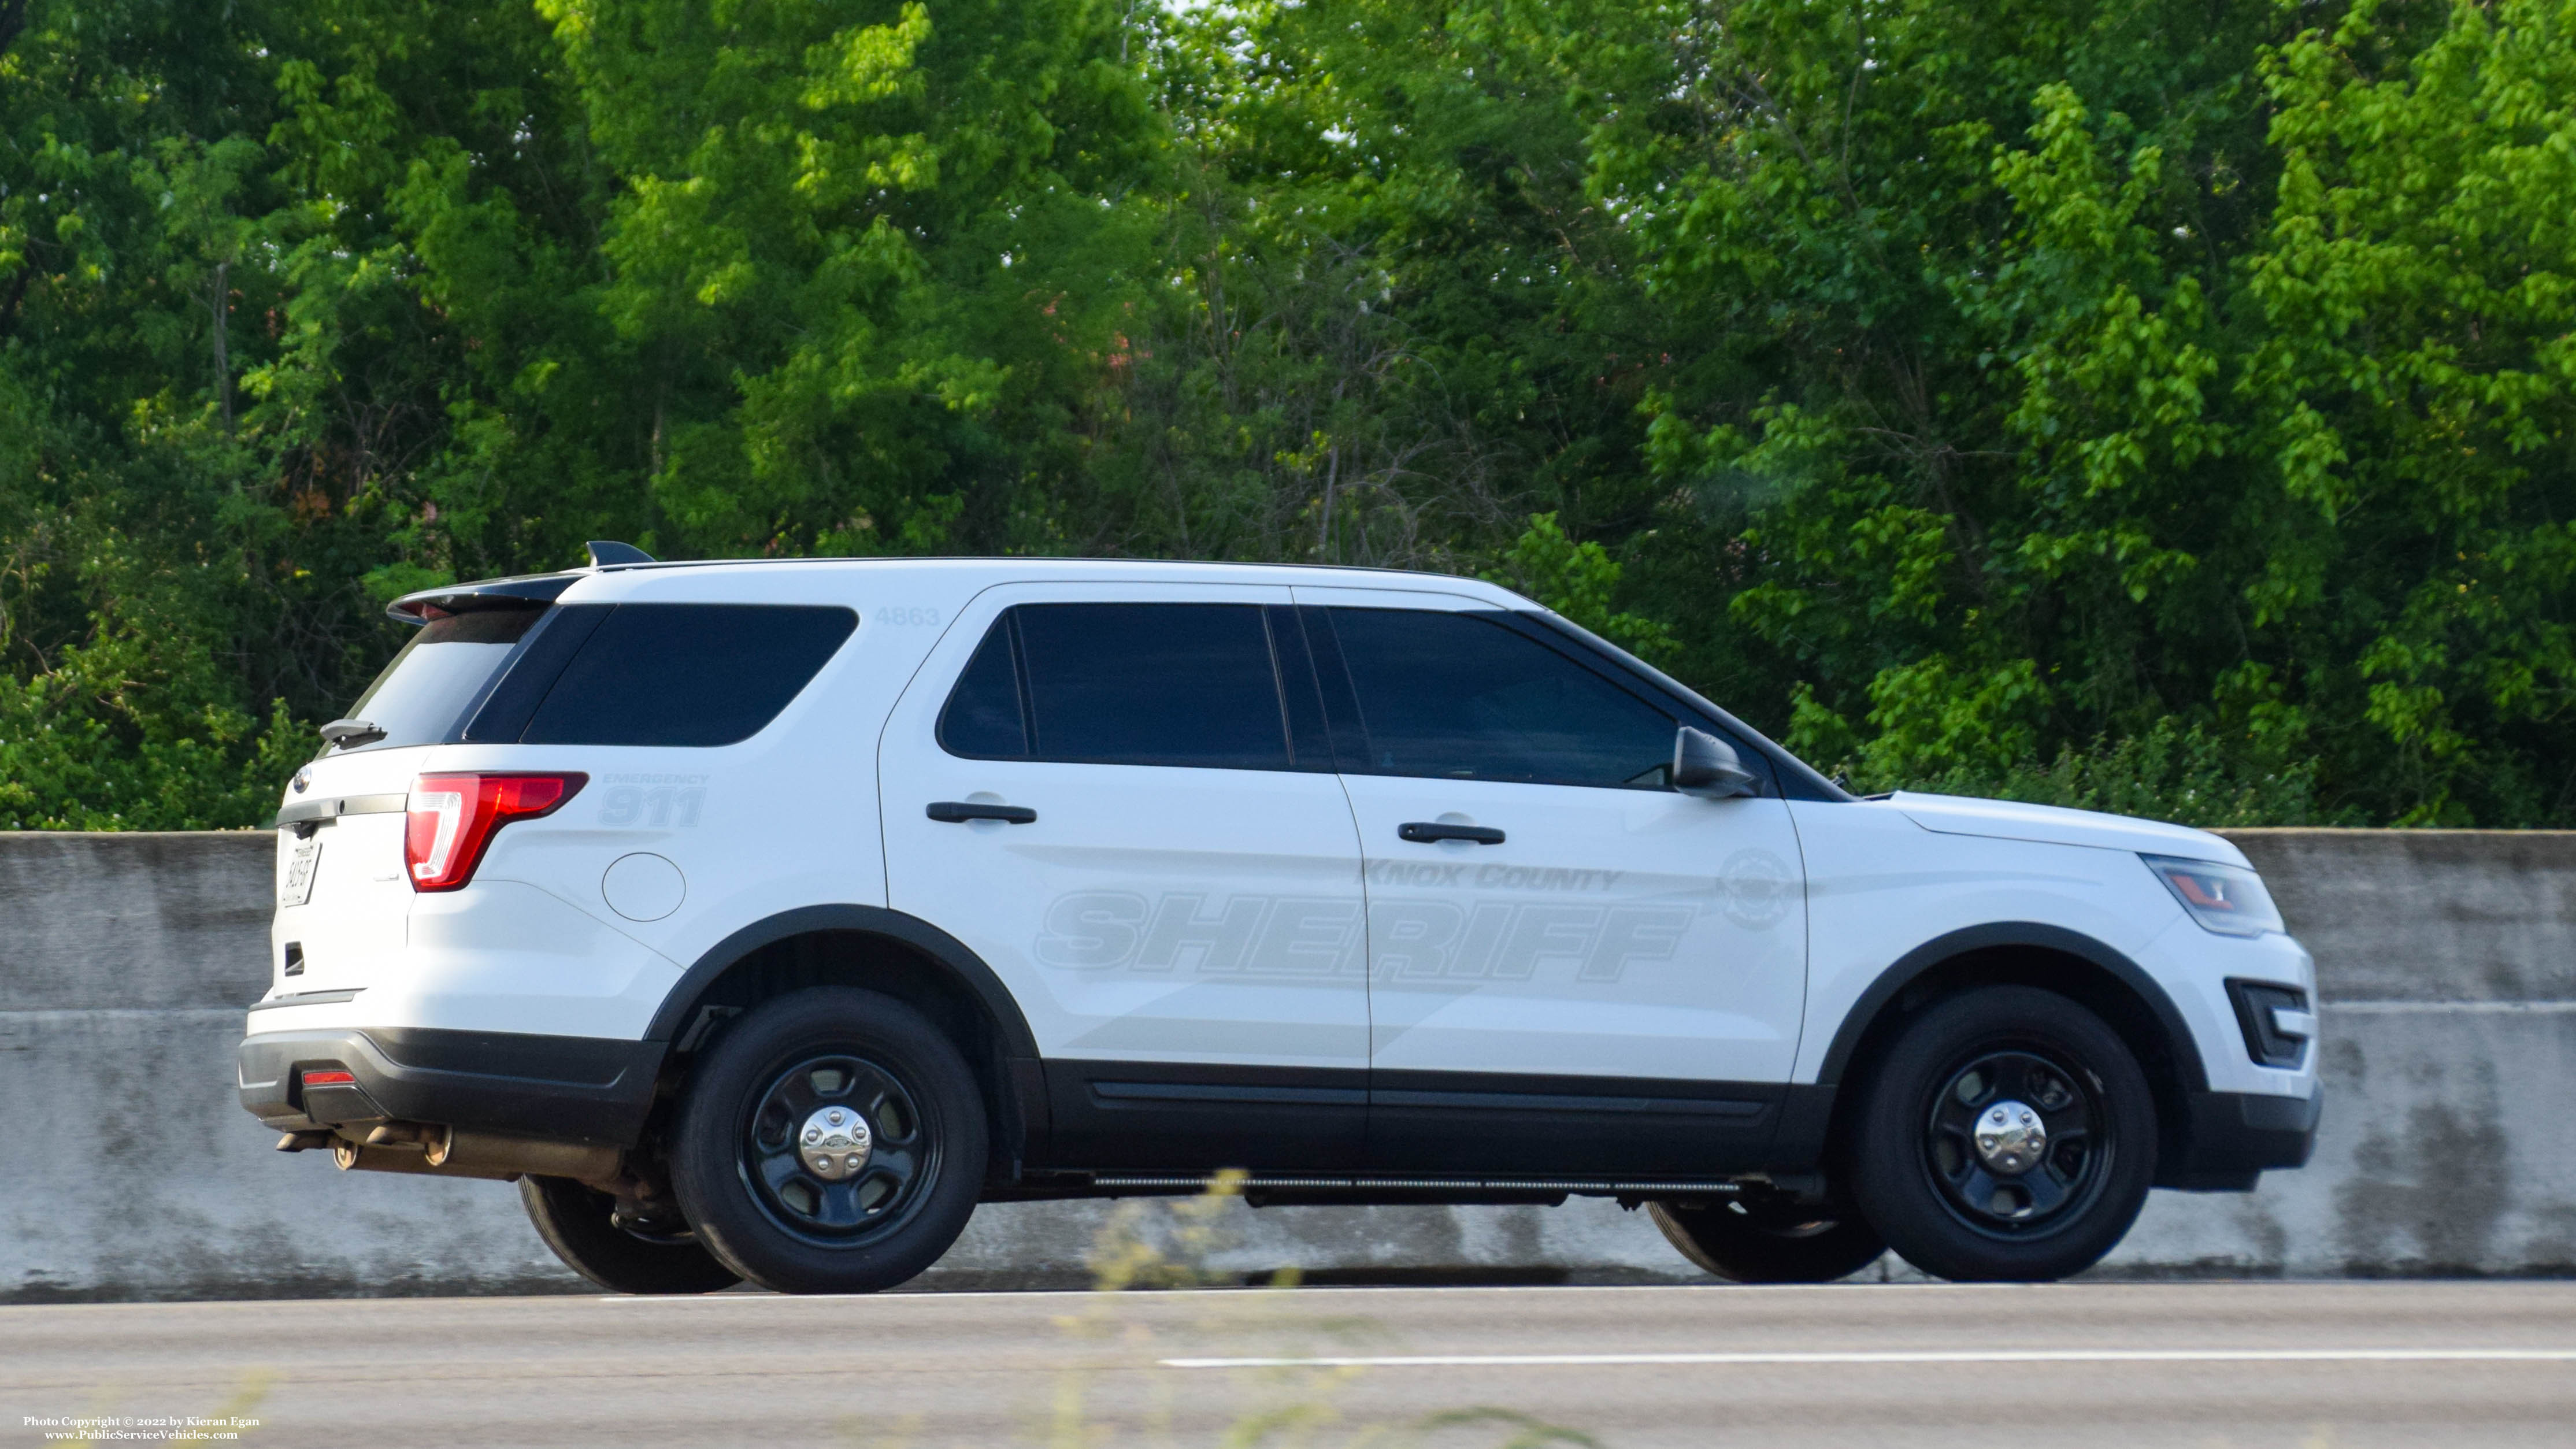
{"points": [[577, 1223], [1755, 1242], [832, 1142], [2007, 1135]]}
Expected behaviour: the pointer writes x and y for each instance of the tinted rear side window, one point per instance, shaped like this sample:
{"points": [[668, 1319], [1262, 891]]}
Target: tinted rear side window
{"points": [[1456, 696], [439, 673], [687, 674], [1123, 684], [983, 718]]}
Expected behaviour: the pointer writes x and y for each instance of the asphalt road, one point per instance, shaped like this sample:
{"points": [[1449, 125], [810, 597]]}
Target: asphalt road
{"points": [[2300, 1366]]}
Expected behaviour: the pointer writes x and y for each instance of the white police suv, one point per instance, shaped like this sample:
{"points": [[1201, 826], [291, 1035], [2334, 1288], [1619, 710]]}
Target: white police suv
{"points": [[761, 918]]}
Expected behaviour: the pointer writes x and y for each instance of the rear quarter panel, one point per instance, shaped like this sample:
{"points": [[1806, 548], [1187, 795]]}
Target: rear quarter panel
{"points": [[785, 819]]}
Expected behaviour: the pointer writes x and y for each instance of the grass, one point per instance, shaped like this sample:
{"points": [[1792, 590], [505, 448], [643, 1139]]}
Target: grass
{"points": [[1152, 1244]]}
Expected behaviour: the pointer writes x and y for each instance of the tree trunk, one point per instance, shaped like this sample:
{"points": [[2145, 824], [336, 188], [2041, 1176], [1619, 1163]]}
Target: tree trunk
{"points": [[220, 305]]}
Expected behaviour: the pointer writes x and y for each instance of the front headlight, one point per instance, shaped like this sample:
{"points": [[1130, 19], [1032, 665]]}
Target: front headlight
{"points": [[2228, 899]]}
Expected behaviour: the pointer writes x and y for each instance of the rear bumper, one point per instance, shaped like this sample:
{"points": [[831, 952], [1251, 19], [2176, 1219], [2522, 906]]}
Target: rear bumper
{"points": [[2229, 1139], [557, 1088]]}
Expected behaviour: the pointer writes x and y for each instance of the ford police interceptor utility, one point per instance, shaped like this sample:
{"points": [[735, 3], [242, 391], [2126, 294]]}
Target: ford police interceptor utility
{"points": [[761, 918]]}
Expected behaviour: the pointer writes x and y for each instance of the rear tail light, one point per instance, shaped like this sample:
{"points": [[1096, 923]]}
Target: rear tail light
{"points": [[452, 818]]}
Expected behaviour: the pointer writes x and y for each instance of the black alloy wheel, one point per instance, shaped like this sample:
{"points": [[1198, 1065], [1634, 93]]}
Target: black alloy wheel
{"points": [[2007, 1134], [831, 1141], [835, 1151], [579, 1223], [2017, 1139], [1768, 1242]]}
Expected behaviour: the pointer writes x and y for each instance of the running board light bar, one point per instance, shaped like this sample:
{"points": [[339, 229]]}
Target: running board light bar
{"points": [[1194, 1183]]}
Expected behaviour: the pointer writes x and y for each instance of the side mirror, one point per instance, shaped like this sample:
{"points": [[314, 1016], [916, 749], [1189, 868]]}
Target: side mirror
{"points": [[1708, 767]]}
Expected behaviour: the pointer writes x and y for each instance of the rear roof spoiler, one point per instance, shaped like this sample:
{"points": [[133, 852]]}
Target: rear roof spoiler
{"points": [[517, 592], [527, 591]]}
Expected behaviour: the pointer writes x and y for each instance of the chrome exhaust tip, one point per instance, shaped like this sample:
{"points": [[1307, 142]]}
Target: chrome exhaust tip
{"points": [[439, 1151]]}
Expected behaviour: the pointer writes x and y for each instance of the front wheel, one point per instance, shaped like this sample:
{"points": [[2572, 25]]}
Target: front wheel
{"points": [[578, 1223], [1768, 1243], [2006, 1136], [832, 1142]]}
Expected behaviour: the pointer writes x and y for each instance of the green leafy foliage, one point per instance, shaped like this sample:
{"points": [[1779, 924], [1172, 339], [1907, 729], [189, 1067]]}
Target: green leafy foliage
{"points": [[2170, 772], [1580, 581], [2092, 374], [2155, 406]]}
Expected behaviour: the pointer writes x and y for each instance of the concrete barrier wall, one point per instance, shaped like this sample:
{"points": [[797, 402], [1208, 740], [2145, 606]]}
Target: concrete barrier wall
{"points": [[2448, 975]]}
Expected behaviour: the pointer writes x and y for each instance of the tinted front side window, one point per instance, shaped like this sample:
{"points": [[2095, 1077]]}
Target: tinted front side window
{"points": [[1459, 697], [687, 674], [1122, 684], [440, 670]]}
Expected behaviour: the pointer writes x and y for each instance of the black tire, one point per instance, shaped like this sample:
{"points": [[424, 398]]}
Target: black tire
{"points": [[739, 1164], [574, 1221], [2032, 1211], [1754, 1242]]}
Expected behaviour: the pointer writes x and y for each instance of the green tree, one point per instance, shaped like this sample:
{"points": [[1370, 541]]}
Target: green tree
{"points": [[2415, 398], [2035, 331], [870, 261], [1395, 324], [157, 593], [2158, 407]]}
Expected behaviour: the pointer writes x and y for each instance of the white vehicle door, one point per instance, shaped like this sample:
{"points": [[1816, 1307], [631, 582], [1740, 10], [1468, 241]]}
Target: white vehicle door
{"points": [[1567, 957], [1102, 791]]}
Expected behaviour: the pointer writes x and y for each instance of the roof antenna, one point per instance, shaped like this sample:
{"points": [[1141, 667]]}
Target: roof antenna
{"points": [[604, 552]]}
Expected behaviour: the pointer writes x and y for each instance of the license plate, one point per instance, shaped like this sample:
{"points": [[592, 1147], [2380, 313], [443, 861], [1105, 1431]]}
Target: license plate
{"points": [[301, 864]]}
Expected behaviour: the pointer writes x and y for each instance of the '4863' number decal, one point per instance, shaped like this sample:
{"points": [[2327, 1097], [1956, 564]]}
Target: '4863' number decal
{"points": [[902, 616]]}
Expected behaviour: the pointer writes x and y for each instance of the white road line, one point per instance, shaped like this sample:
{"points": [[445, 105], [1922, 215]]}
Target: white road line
{"points": [[2460, 1008], [1905, 1356]]}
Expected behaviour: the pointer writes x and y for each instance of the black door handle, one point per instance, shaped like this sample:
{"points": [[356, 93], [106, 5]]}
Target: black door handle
{"points": [[957, 812], [1427, 831]]}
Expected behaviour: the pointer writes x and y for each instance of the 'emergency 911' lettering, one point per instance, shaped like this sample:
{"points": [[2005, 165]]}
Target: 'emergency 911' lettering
{"points": [[1289, 936]]}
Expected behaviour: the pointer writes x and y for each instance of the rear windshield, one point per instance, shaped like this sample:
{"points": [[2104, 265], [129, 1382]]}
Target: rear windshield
{"points": [[422, 696], [687, 674]]}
